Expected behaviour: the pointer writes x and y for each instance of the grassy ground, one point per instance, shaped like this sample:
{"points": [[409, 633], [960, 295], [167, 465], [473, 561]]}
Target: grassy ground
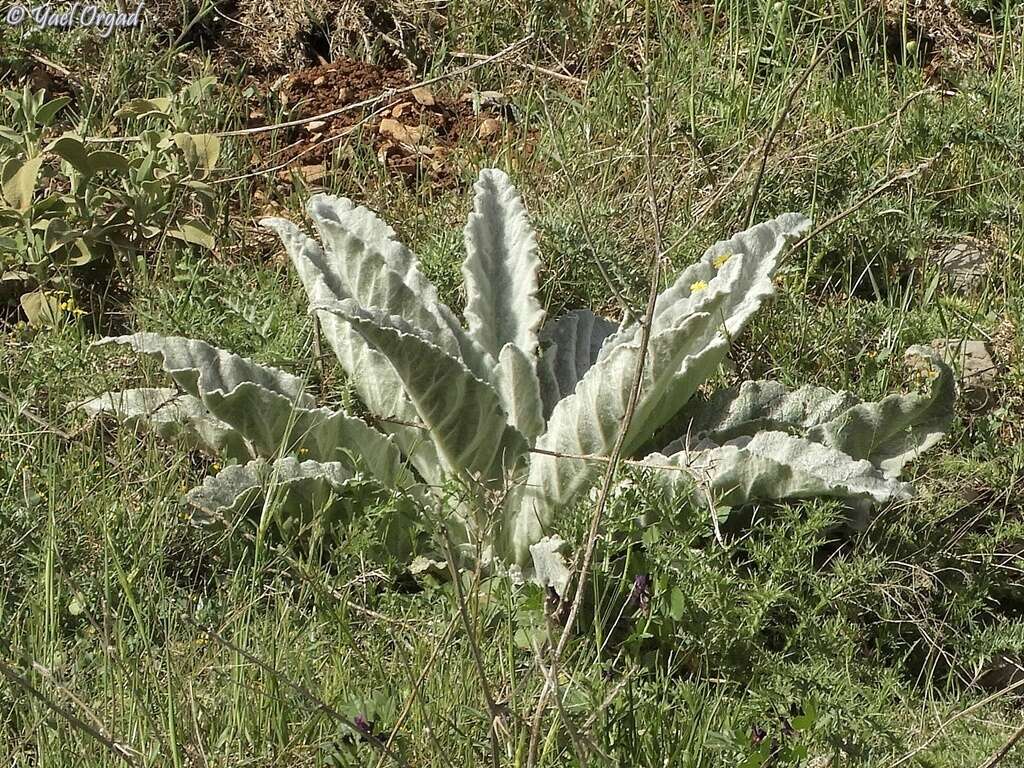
{"points": [[794, 640]]}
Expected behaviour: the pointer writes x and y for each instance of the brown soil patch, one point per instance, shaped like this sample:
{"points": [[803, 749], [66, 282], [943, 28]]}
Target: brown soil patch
{"points": [[412, 133]]}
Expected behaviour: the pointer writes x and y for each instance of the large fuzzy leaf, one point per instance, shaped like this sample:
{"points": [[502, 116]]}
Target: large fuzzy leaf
{"points": [[380, 273], [302, 490], [203, 370], [898, 428], [264, 409], [370, 372], [754, 406], [500, 270], [517, 386], [361, 249], [571, 345], [174, 416], [689, 338], [462, 415], [888, 433], [275, 427], [774, 465]]}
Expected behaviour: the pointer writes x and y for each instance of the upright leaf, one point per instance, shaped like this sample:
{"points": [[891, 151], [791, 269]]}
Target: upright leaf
{"points": [[519, 390], [500, 269], [462, 415], [370, 372], [571, 345], [19, 181], [376, 270]]}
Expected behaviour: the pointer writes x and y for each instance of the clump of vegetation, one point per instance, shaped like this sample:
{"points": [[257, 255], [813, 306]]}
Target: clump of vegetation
{"points": [[512, 410], [72, 211]]}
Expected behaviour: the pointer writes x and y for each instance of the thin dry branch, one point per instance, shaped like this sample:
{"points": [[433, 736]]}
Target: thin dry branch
{"points": [[620, 440], [997, 758], [769, 140], [118, 750]]}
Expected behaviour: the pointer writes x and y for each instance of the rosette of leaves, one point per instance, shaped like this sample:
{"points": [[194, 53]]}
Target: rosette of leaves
{"points": [[68, 207], [515, 411]]}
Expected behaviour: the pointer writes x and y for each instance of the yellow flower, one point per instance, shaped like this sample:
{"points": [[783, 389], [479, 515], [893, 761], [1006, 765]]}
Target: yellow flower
{"points": [[700, 285], [719, 261], [215, 466]]}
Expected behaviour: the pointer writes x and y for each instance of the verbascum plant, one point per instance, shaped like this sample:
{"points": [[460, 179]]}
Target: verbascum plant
{"points": [[515, 411]]}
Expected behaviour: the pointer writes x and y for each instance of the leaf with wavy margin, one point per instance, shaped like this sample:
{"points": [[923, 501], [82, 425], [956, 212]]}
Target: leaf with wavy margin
{"points": [[462, 414], [174, 416], [549, 568], [888, 433], [380, 273], [304, 489], [203, 370], [500, 269], [519, 390], [371, 374], [690, 337], [771, 466], [571, 346]]}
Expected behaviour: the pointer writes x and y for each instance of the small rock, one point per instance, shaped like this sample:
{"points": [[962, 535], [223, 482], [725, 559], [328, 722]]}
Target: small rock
{"points": [[424, 96], [970, 358], [313, 173], [320, 80], [1000, 672], [965, 265], [488, 127], [405, 134]]}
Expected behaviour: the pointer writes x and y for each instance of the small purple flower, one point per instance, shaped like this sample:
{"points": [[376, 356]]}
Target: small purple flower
{"points": [[363, 725], [640, 597]]}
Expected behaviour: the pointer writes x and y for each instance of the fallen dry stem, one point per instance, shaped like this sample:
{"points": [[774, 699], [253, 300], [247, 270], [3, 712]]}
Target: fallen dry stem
{"points": [[769, 140]]}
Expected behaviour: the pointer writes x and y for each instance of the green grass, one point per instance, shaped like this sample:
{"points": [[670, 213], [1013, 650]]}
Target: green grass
{"points": [[884, 634]]}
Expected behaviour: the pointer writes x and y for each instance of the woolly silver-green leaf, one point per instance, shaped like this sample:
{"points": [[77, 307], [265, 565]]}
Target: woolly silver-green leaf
{"points": [[690, 337], [303, 489], [500, 269], [379, 272], [174, 416], [771, 466], [275, 427], [370, 373], [203, 370], [571, 345], [900, 427], [517, 386], [462, 415], [888, 433]]}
